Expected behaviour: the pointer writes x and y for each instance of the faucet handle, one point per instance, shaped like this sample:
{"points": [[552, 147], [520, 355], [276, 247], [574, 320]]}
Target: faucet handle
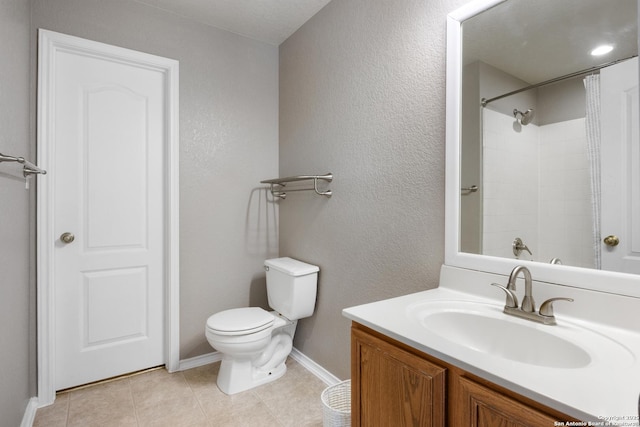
{"points": [[512, 299], [518, 246], [546, 309]]}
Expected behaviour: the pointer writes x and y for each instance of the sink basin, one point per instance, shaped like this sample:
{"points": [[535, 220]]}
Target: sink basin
{"points": [[485, 329], [506, 339]]}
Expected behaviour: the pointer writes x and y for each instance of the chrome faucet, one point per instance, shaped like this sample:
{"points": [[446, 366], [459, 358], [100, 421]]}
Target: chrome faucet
{"points": [[528, 308], [528, 304]]}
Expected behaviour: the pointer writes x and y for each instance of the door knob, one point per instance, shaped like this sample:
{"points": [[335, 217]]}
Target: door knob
{"points": [[611, 240], [67, 237]]}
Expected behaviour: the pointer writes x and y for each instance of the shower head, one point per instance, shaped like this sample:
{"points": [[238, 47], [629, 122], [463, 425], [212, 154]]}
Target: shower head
{"points": [[525, 118]]}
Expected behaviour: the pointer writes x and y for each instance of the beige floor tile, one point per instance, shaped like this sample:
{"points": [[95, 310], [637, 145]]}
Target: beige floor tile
{"points": [[216, 404], [203, 377], [296, 406], [54, 415], [157, 388], [189, 399], [178, 412], [257, 415], [108, 404]]}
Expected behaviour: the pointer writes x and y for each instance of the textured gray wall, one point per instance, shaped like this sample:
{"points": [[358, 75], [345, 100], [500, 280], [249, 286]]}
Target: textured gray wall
{"points": [[362, 95], [16, 343], [228, 143]]}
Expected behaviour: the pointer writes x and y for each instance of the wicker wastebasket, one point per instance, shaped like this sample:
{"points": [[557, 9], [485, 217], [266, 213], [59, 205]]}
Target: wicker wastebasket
{"points": [[336, 405]]}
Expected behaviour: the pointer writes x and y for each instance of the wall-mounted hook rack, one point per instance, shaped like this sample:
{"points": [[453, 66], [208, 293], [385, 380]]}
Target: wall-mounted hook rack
{"points": [[28, 168], [469, 190], [281, 183]]}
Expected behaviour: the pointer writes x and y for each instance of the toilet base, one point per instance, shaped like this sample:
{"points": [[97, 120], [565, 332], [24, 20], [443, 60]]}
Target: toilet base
{"points": [[236, 376], [241, 371]]}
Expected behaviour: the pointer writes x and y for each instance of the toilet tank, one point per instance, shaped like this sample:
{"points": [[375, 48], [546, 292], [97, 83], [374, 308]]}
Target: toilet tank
{"points": [[291, 287]]}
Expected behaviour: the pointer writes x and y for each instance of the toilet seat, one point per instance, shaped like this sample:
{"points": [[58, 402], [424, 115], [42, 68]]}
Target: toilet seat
{"points": [[240, 321]]}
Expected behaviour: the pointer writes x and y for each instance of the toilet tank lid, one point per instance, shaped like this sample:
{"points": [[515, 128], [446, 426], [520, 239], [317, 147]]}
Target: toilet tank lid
{"points": [[291, 266]]}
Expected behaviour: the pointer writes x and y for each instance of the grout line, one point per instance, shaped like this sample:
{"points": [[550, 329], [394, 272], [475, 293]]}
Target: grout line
{"points": [[66, 420], [271, 412], [133, 401], [195, 395]]}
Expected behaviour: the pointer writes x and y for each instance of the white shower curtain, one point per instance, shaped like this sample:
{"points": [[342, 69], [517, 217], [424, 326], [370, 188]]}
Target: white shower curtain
{"points": [[592, 87]]}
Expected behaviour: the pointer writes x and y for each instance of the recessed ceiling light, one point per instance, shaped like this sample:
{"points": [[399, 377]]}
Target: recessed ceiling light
{"points": [[602, 50]]}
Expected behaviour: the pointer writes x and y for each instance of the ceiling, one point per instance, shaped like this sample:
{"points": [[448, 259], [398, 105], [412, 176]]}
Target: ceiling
{"points": [[271, 21], [543, 39], [533, 41]]}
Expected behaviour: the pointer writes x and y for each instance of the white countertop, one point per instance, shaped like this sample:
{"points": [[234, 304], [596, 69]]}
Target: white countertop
{"points": [[602, 390]]}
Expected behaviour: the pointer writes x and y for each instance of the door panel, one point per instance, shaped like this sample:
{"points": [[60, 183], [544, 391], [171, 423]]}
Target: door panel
{"points": [[108, 175], [123, 291], [620, 152], [116, 135]]}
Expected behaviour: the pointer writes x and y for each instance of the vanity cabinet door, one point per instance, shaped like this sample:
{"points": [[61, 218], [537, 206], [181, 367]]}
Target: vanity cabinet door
{"points": [[393, 387], [480, 406]]}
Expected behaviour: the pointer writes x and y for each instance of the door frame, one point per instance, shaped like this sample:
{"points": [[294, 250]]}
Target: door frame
{"points": [[49, 43]]}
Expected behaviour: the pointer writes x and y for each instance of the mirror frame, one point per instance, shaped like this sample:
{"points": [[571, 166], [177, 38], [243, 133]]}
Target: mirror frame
{"points": [[598, 280]]}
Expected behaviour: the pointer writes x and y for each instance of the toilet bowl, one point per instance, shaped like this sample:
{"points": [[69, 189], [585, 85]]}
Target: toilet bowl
{"points": [[254, 342]]}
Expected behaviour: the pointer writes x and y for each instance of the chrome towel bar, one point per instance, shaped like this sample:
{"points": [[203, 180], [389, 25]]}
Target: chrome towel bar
{"points": [[281, 182]]}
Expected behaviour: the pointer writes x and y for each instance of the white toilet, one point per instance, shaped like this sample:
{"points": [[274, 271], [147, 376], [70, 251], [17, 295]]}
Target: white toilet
{"points": [[254, 342]]}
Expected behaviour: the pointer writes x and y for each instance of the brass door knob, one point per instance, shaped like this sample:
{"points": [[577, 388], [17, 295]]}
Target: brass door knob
{"points": [[611, 240], [67, 237]]}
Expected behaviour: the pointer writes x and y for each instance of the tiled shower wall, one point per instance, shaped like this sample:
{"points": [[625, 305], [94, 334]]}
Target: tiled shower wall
{"points": [[565, 221], [510, 177], [536, 187]]}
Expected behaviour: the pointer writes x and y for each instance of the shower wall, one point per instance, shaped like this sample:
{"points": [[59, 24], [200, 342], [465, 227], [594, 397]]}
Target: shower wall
{"points": [[536, 187], [481, 80], [565, 220], [510, 176], [535, 178]]}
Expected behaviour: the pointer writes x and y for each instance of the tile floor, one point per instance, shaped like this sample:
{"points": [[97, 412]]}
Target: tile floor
{"points": [[189, 398]]}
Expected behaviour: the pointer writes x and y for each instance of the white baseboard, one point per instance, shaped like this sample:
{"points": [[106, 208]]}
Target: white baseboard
{"points": [[202, 360], [30, 413], [325, 376]]}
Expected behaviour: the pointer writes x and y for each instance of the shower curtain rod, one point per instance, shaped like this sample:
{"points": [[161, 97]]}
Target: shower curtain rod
{"points": [[485, 101]]}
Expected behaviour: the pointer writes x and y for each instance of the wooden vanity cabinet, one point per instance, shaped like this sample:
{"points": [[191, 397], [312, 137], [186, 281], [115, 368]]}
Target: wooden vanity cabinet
{"points": [[485, 407], [395, 385]]}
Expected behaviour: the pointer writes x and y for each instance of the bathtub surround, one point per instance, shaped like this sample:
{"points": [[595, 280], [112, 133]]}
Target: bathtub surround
{"points": [[553, 220], [362, 94]]}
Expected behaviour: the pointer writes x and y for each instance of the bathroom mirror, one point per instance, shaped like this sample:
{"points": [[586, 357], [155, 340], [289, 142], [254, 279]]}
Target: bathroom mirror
{"points": [[527, 181]]}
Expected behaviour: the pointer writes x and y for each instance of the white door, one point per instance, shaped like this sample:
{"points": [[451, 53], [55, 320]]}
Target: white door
{"points": [[620, 151], [108, 124]]}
